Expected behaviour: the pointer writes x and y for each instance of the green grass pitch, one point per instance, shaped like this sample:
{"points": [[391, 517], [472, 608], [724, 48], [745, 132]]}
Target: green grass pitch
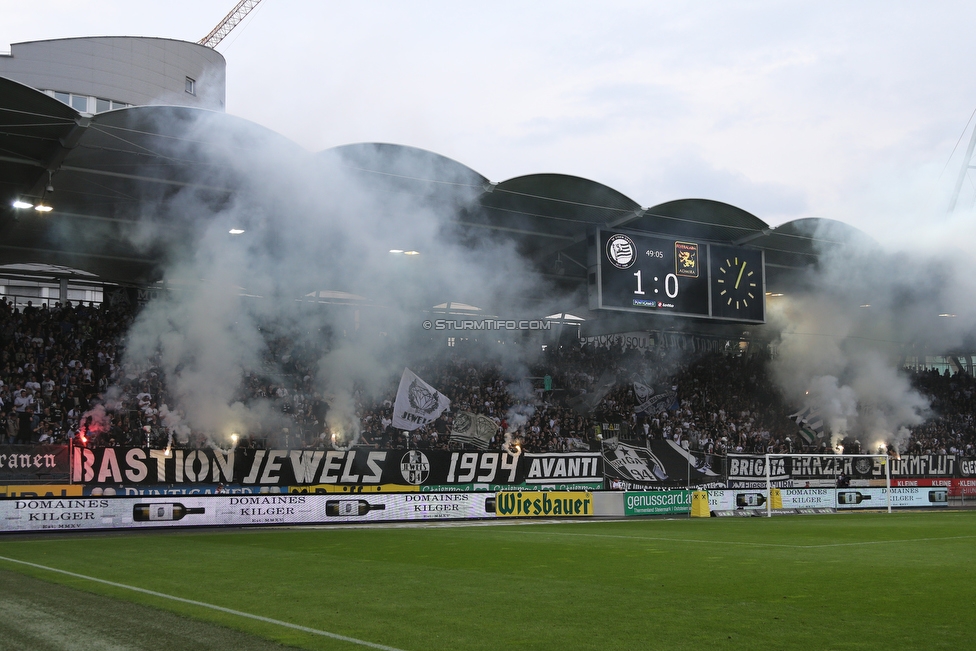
{"points": [[848, 581]]}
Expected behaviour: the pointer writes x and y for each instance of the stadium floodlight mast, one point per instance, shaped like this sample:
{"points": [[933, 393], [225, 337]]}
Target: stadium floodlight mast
{"points": [[886, 461]]}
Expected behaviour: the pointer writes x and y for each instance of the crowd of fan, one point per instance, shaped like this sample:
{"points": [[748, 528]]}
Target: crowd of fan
{"points": [[57, 366]]}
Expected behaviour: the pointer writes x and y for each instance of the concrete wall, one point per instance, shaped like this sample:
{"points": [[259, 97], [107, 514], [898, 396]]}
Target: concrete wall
{"points": [[131, 70]]}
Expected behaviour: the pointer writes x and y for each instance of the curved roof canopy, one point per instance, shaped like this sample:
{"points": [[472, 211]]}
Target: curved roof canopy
{"points": [[107, 174]]}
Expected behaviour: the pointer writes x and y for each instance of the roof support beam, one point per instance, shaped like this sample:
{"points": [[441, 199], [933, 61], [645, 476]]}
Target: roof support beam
{"points": [[53, 163]]}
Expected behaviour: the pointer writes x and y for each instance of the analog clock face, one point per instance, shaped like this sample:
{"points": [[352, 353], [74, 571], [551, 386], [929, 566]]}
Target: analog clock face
{"points": [[738, 283]]}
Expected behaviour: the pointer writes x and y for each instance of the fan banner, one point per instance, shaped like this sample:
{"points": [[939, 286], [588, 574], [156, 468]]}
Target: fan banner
{"points": [[245, 470], [749, 471], [473, 429], [19, 463], [657, 464], [652, 402]]}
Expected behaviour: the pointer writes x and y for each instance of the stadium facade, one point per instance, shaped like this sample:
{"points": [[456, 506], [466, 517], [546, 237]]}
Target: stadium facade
{"points": [[88, 126]]}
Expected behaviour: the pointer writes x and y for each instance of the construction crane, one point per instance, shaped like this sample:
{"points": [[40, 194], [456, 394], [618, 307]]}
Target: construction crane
{"points": [[967, 164], [229, 22]]}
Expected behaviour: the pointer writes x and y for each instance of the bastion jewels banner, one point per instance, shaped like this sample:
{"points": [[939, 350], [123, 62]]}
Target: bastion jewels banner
{"points": [[54, 514], [359, 467]]}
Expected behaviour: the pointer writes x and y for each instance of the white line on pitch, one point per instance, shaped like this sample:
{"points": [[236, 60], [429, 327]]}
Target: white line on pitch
{"points": [[230, 611]]}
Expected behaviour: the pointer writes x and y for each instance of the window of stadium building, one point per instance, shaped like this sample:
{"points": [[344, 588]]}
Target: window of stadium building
{"points": [[191, 86], [82, 102]]}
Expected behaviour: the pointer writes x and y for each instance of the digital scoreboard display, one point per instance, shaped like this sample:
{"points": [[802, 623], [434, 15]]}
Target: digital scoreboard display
{"points": [[635, 272]]}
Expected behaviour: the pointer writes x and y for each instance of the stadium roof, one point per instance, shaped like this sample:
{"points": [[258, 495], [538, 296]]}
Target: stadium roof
{"points": [[104, 173]]}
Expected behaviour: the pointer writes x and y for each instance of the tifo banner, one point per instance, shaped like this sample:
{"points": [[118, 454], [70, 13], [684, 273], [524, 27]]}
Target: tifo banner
{"points": [[45, 514], [400, 470], [657, 502], [577, 467], [657, 464], [473, 429], [749, 471], [417, 403], [20, 463], [542, 504], [652, 402], [654, 465]]}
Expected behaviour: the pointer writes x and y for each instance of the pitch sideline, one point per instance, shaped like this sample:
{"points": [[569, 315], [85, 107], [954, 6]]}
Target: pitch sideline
{"points": [[192, 602]]}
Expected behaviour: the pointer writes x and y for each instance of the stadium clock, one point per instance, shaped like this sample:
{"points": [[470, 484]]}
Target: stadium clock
{"points": [[738, 284]]}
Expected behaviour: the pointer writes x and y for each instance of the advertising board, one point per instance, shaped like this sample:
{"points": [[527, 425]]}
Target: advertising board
{"points": [[657, 502], [81, 513]]}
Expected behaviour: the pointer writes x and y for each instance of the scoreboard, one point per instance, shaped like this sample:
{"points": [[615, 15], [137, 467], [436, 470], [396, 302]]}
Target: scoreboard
{"points": [[636, 272]]}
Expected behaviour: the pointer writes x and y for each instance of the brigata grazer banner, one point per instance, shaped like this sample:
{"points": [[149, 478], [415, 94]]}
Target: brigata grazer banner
{"points": [[54, 514], [749, 471]]}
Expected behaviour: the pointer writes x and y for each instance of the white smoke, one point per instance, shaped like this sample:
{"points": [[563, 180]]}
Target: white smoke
{"points": [[845, 334], [312, 224]]}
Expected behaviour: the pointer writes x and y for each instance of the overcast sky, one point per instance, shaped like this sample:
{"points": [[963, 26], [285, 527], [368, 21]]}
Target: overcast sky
{"points": [[844, 110]]}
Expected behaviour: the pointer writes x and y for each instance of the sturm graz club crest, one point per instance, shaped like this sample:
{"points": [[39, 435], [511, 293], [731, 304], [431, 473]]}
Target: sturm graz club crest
{"points": [[415, 467], [421, 398], [863, 466], [621, 251]]}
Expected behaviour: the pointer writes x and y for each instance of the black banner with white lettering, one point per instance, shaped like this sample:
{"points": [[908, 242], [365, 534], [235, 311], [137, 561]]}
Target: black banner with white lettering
{"points": [[658, 464], [357, 467], [622, 465], [33, 463], [750, 470]]}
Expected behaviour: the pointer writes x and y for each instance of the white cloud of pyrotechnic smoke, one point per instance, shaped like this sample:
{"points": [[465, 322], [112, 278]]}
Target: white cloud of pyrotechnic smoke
{"points": [[847, 331], [311, 223]]}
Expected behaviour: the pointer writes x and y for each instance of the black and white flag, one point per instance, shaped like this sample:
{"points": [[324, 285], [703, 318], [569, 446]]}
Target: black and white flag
{"points": [[473, 429], [810, 421], [652, 402], [417, 403]]}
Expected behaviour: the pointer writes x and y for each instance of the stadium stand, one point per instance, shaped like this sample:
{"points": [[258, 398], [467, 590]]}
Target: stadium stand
{"points": [[61, 378]]}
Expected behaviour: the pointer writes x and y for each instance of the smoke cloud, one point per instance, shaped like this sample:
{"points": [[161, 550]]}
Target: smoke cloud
{"points": [[847, 330], [317, 233]]}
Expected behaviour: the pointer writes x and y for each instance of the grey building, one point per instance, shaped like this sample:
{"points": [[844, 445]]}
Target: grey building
{"points": [[97, 74]]}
